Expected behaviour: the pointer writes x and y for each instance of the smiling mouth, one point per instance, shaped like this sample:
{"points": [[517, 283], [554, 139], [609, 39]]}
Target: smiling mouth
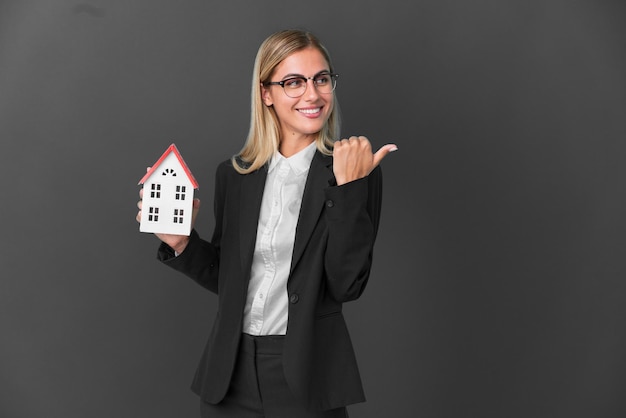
{"points": [[310, 111]]}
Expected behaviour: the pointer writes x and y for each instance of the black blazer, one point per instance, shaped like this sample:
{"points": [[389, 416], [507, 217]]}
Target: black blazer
{"points": [[331, 264]]}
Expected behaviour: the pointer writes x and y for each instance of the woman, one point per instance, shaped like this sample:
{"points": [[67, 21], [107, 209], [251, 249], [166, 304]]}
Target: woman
{"points": [[296, 216]]}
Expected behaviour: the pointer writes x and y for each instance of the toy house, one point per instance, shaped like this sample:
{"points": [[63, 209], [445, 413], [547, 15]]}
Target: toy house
{"points": [[168, 190]]}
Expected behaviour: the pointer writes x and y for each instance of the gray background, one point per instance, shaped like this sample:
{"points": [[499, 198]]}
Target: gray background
{"points": [[498, 286]]}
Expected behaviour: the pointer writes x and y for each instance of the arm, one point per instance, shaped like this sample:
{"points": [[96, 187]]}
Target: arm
{"points": [[353, 218], [199, 259], [353, 214]]}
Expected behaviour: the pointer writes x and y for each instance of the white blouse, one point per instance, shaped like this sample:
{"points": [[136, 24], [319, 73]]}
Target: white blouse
{"points": [[266, 309]]}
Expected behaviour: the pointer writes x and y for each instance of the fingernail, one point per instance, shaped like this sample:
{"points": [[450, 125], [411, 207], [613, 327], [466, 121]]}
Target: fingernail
{"points": [[393, 149]]}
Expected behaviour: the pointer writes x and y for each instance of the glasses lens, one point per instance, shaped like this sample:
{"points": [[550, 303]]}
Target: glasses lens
{"points": [[325, 83], [294, 87]]}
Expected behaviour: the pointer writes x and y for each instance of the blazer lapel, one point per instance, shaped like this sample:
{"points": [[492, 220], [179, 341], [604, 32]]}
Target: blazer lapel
{"points": [[320, 177], [252, 186]]}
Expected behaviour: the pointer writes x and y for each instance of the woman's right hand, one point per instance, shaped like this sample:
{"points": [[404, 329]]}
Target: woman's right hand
{"points": [[177, 242]]}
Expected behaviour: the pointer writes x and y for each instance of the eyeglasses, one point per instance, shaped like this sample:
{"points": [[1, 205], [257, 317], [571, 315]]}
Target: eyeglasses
{"points": [[294, 87]]}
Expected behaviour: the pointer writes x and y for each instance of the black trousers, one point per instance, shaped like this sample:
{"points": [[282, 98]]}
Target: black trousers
{"points": [[258, 388]]}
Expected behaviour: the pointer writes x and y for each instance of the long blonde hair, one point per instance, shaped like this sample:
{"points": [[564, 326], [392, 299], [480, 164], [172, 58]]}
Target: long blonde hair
{"points": [[264, 134]]}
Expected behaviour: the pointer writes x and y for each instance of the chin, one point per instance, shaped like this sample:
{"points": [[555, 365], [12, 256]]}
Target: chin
{"points": [[313, 128]]}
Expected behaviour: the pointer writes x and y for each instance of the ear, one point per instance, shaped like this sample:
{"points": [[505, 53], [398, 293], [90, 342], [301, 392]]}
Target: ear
{"points": [[266, 96]]}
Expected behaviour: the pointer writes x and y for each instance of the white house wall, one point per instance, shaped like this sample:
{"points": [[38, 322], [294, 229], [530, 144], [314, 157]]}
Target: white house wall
{"points": [[167, 200]]}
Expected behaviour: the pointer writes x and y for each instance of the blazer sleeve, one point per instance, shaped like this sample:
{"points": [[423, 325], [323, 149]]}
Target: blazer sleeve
{"points": [[200, 260], [352, 214]]}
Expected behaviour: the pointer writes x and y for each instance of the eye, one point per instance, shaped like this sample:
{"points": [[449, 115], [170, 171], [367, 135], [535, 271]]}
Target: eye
{"points": [[294, 83], [322, 79]]}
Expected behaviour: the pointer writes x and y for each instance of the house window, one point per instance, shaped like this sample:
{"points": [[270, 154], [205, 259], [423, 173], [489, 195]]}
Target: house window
{"points": [[169, 172], [178, 216], [155, 191], [153, 214], [180, 192]]}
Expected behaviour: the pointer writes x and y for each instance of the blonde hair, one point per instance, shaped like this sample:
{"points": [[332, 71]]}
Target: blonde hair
{"points": [[264, 134]]}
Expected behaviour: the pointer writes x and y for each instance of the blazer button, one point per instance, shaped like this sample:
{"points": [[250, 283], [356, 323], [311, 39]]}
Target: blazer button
{"points": [[294, 298], [330, 203]]}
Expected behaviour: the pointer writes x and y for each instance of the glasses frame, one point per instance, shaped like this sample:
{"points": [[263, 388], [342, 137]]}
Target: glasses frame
{"points": [[333, 77]]}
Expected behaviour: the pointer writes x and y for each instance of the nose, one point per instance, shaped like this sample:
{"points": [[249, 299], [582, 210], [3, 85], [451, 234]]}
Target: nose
{"points": [[311, 92]]}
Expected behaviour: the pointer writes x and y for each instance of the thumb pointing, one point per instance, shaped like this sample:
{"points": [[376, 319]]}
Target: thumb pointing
{"points": [[382, 153]]}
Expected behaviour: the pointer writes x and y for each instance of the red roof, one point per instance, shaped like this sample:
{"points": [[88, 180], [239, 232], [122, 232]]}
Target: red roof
{"points": [[172, 148]]}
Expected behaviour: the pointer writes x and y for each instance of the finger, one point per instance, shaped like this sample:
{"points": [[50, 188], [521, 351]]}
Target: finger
{"points": [[138, 217], [340, 143], [382, 153], [364, 143], [356, 139], [346, 144], [141, 193]]}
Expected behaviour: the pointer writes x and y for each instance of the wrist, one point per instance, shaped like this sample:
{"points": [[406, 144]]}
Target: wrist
{"points": [[178, 243], [180, 246]]}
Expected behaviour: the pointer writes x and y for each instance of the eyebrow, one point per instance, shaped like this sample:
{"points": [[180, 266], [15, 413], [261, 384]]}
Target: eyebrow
{"points": [[293, 75]]}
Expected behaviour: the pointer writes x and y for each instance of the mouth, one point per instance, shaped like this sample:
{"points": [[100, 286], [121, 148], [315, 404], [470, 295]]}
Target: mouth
{"points": [[311, 112]]}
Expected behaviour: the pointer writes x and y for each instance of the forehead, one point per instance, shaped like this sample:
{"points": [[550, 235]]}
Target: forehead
{"points": [[308, 61]]}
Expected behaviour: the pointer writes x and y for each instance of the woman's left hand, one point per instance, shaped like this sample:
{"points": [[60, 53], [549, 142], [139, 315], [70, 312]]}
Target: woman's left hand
{"points": [[353, 158]]}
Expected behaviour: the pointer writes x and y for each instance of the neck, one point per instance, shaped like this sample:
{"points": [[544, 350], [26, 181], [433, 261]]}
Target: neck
{"points": [[291, 145]]}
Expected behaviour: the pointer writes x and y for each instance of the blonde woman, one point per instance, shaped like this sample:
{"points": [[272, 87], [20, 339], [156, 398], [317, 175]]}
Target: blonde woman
{"points": [[296, 216]]}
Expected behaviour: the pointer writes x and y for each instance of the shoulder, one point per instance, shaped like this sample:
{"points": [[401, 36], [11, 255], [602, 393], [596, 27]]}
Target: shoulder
{"points": [[226, 168]]}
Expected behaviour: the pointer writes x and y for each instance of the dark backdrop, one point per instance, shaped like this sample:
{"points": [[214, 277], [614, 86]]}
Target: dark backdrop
{"points": [[498, 287]]}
